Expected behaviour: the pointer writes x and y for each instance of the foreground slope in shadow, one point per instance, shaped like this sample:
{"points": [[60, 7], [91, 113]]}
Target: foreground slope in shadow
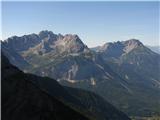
{"points": [[22, 100], [26, 96]]}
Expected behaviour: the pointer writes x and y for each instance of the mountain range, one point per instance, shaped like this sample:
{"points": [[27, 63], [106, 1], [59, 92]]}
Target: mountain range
{"points": [[125, 73]]}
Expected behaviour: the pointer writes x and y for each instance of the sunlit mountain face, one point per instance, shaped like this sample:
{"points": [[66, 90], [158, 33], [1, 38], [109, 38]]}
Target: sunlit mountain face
{"points": [[125, 73]]}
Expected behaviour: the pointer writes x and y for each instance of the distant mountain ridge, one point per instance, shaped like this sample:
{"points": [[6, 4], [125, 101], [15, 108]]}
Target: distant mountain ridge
{"points": [[125, 73], [154, 48], [123, 46], [46, 41]]}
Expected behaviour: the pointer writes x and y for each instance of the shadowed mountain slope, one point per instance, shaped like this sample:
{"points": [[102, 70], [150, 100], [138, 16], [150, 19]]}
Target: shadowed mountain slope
{"points": [[26, 96], [22, 100]]}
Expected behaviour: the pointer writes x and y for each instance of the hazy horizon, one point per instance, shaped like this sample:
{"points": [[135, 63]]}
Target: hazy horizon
{"points": [[94, 22]]}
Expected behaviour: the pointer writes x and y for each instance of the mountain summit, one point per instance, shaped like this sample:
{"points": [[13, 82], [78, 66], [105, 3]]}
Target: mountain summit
{"points": [[116, 49], [44, 43]]}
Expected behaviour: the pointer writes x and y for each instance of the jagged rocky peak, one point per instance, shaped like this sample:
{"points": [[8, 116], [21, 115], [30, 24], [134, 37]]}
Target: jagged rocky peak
{"points": [[48, 37], [72, 39], [131, 44], [21, 43], [23, 38], [47, 34], [110, 46], [71, 43], [46, 41], [71, 36], [126, 46]]}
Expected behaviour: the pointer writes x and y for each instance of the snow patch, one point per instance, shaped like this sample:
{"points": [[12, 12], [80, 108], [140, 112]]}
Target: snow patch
{"points": [[157, 82], [126, 77], [72, 81], [93, 82], [128, 89]]}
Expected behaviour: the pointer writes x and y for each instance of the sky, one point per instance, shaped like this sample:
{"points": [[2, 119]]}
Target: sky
{"points": [[94, 22]]}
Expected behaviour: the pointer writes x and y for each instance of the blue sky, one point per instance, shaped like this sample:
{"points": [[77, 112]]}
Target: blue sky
{"points": [[95, 22]]}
